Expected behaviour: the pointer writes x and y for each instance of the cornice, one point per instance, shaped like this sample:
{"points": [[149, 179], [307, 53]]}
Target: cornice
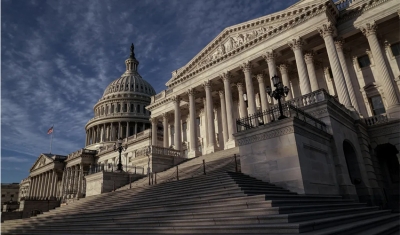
{"points": [[299, 16], [358, 9]]}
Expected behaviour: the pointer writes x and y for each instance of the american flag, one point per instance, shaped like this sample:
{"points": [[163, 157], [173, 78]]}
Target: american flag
{"points": [[50, 131]]}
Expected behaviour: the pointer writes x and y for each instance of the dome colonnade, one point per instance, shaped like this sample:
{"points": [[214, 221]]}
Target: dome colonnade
{"points": [[121, 111]]}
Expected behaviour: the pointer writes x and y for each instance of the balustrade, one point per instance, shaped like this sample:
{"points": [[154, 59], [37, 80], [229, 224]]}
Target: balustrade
{"points": [[374, 120]]}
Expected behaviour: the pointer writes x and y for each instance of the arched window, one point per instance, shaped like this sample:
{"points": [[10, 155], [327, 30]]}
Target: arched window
{"points": [[132, 108], [138, 108], [106, 109], [118, 107], [144, 109], [112, 108]]}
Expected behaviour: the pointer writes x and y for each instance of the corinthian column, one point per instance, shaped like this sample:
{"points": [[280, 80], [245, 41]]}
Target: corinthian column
{"points": [[246, 67], [308, 57], [165, 130], [177, 125], [229, 110], [393, 106], [210, 118], [263, 95], [296, 45], [192, 124], [327, 31], [223, 117], [154, 122], [242, 104], [270, 58], [342, 60], [285, 79]]}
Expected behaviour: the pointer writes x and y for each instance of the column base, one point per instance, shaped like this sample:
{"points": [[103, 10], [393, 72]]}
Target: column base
{"points": [[192, 154], [230, 144], [210, 149], [393, 112]]}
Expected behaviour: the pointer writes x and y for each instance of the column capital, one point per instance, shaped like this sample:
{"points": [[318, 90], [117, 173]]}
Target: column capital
{"points": [[386, 44], [239, 86], [246, 66], [326, 30], [191, 92], [165, 116], [226, 77], [339, 44], [369, 29], [283, 68], [221, 95], [260, 77], [269, 56], [309, 57], [153, 120], [176, 99], [207, 84], [296, 44]]}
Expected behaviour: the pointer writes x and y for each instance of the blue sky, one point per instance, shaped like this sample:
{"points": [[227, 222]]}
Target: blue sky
{"points": [[57, 57]]}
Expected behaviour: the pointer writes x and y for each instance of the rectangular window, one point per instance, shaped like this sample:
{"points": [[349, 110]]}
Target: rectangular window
{"points": [[395, 49], [363, 61], [138, 108], [377, 105], [132, 108]]}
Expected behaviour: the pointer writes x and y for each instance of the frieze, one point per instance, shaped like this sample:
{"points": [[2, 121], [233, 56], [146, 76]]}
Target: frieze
{"points": [[267, 135]]}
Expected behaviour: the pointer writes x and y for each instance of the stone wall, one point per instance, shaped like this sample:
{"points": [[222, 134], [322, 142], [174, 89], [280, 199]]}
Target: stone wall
{"points": [[291, 154]]}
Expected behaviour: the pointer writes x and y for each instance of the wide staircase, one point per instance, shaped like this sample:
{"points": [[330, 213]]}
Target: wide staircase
{"points": [[222, 201]]}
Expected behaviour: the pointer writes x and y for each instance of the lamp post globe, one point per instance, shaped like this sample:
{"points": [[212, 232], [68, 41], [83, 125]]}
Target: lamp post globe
{"points": [[279, 92], [118, 147]]}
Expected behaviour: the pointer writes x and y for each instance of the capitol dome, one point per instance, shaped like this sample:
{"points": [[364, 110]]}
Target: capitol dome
{"points": [[121, 111]]}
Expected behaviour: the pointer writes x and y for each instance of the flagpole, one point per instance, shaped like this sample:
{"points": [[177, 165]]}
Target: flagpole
{"points": [[51, 140]]}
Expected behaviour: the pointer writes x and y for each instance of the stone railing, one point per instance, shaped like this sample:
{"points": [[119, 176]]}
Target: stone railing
{"points": [[120, 114], [374, 120], [145, 151], [343, 4], [311, 98], [80, 152]]}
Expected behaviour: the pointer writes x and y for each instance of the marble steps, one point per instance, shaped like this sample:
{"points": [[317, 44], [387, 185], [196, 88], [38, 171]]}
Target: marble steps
{"points": [[184, 220], [231, 226]]}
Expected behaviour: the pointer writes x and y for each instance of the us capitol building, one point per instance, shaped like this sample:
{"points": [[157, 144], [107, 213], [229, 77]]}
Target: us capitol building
{"points": [[340, 62]]}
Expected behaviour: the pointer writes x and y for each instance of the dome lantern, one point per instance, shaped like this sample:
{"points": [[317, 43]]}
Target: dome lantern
{"points": [[131, 63]]}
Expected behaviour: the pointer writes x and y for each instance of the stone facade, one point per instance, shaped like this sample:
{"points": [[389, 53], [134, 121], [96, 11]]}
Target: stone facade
{"points": [[347, 48]]}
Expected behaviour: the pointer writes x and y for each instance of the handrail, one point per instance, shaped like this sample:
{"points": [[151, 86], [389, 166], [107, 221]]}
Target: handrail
{"points": [[375, 120]]}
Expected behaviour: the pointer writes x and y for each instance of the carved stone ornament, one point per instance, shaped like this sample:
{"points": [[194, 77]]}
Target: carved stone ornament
{"points": [[283, 68], [267, 135], [269, 57], [339, 44], [327, 30], [191, 92], [221, 95], [260, 77], [369, 29], [207, 84], [309, 57], [225, 76], [296, 44], [246, 67], [176, 99]]}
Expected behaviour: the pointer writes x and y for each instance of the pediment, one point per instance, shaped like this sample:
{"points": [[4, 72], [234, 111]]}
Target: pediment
{"points": [[238, 36], [42, 160]]}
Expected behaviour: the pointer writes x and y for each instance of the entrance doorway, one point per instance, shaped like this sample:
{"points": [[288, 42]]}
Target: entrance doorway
{"points": [[353, 168], [389, 164]]}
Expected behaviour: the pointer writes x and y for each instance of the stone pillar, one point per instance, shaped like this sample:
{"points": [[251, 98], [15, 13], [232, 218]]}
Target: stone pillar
{"points": [[327, 31], [263, 95], [308, 57], [210, 118], [36, 189], [119, 130], [165, 131], [270, 58], [46, 184], [54, 186], [177, 125], [242, 104], [283, 68], [127, 129], [296, 45], [39, 187], [135, 128], [246, 67], [346, 74], [393, 106], [80, 181], [229, 109], [154, 131], [32, 187], [224, 119], [205, 124], [192, 124]]}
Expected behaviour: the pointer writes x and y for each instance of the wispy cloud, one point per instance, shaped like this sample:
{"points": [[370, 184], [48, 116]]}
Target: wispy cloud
{"points": [[59, 56]]}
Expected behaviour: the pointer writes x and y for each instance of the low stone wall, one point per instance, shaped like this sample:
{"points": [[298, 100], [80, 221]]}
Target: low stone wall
{"points": [[11, 215], [291, 154], [37, 206], [102, 182]]}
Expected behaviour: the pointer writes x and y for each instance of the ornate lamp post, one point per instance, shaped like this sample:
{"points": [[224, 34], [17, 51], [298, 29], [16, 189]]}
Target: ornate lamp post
{"points": [[118, 147], [279, 92]]}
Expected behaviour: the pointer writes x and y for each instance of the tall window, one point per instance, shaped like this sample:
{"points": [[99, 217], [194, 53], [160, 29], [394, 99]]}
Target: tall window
{"points": [[395, 49], [125, 107], [138, 108], [118, 107], [132, 107], [184, 130], [112, 108], [377, 105], [363, 61], [198, 126], [172, 131], [144, 109]]}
